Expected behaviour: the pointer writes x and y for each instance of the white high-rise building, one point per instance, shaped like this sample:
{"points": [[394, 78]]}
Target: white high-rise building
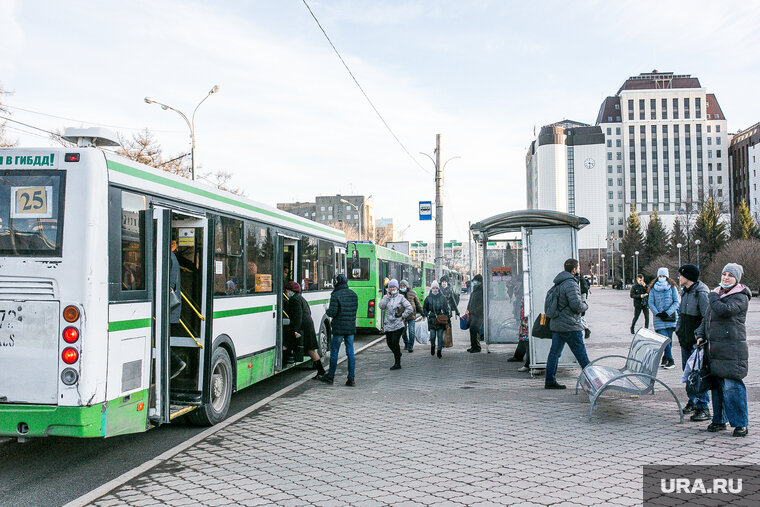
{"points": [[666, 148], [565, 172]]}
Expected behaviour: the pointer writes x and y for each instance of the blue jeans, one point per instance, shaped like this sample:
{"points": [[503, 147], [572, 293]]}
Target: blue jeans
{"points": [[700, 401], [574, 340], [437, 333], [729, 401], [335, 348], [669, 349], [408, 335]]}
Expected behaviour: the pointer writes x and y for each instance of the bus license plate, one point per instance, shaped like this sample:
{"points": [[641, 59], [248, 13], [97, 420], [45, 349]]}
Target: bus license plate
{"points": [[11, 323]]}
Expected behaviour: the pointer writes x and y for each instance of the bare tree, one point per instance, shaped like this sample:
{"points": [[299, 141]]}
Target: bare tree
{"points": [[351, 232], [5, 142], [222, 181]]}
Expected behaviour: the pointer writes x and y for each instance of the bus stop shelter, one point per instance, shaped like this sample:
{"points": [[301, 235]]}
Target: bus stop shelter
{"points": [[521, 252]]}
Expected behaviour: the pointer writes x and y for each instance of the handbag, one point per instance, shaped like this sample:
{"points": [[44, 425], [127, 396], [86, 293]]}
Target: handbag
{"points": [[541, 327], [464, 322], [699, 379], [442, 320]]}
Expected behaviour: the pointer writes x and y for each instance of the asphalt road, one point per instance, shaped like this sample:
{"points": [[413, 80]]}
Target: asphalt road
{"points": [[53, 471]]}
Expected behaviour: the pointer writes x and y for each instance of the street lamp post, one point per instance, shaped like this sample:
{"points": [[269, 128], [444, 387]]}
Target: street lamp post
{"points": [[604, 271], [679, 245], [190, 123], [697, 242], [636, 268], [360, 212], [622, 260]]}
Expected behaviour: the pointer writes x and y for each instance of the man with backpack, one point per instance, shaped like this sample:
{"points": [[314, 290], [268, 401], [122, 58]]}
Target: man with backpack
{"points": [[564, 306]]}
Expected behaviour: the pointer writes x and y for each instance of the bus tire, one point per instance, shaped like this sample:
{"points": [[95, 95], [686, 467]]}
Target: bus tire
{"points": [[324, 339], [221, 391]]}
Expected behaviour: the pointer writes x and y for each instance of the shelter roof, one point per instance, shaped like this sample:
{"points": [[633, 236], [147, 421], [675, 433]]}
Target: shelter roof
{"points": [[513, 221]]}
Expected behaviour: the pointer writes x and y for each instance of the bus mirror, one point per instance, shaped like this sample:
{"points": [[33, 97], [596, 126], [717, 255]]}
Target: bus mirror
{"points": [[355, 259], [356, 273]]}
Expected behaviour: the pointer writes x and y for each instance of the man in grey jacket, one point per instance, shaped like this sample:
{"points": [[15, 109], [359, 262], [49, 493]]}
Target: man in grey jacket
{"points": [[694, 303], [567, 328]]}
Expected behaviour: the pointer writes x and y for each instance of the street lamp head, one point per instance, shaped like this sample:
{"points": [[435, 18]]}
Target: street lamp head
{"points": [[678, 245], [214, 89], [697, 242], [148, 100], [622, 256], [636, 252]]}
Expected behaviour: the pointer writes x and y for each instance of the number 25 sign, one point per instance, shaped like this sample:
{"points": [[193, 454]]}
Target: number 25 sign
{"points": [[31, 202]]}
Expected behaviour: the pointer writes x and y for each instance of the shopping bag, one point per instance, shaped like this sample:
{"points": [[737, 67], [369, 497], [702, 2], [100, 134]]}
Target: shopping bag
{"points": [[448, 338], [421, 332], [464, 322], [699, 379]]}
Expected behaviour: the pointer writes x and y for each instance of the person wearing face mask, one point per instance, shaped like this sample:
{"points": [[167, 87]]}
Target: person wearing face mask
{"points": [[438, 313], [664, 303], [301, 326], [451, 298], [414, 301], [723, 328], [397, 310], [475, 312]]}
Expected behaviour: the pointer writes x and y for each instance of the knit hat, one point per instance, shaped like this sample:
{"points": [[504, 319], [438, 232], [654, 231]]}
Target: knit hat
{"points": [[404, 283], [293, 286], [663, 272], [690, 272], [735, 269], [477, 278], [341, 279], [393, 283], [434, 285]]}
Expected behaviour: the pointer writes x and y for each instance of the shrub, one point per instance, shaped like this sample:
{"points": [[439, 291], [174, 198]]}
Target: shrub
{"points": [[741, 251]]}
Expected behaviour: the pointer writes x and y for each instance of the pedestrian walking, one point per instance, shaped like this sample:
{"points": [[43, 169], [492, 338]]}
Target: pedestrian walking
{"points": [[566, 327], [342, 312], [411, 296], [451, 298], [475, 312], [438, 313], [640, 294], [397, 310], [693, 308], [301, 326], [723, 328], [663, 301]]}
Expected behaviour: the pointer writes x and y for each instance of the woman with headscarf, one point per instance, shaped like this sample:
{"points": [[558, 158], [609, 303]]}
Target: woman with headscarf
{"points": [[664, 303], [397, 310], [438, 313], [724, 330], [301, 326]]}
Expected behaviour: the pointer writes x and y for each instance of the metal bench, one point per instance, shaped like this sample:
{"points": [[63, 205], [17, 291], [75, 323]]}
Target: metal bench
{"points": [[638, 376]]}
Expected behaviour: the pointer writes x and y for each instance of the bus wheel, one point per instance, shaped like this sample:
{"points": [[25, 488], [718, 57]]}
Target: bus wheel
{"points": [[324, 340], [221, 391]]}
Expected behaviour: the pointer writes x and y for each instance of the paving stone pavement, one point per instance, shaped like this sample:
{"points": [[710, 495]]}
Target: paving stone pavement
{"points": [[467, 429]]}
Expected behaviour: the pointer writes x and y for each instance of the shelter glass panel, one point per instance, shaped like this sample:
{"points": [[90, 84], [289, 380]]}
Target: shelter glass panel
{"points": [[505, 290]]}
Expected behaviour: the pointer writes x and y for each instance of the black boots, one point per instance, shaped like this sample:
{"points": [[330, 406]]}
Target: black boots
{"points": [[439, 354], [432, 349]]}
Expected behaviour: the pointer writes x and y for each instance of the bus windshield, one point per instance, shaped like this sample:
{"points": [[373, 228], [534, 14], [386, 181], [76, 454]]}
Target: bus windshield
{"points": [[31, 213]]}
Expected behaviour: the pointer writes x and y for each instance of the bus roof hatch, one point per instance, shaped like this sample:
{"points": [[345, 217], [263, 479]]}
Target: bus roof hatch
{"points": [[90, 137]]}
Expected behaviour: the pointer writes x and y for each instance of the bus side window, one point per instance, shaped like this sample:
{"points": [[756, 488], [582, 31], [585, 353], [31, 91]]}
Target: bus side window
{"points": [[260, 258], [133, 208]]}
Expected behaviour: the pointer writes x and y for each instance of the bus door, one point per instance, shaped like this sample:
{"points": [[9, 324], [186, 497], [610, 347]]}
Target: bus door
{"points": [[287, 264], [181, 303], [340, 260]]}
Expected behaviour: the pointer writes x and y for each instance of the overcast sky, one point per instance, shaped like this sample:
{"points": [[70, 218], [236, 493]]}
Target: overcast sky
{"points": [[289, 122]]}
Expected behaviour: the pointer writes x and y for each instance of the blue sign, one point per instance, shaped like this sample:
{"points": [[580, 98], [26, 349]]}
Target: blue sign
{"points": [[426, 210]]}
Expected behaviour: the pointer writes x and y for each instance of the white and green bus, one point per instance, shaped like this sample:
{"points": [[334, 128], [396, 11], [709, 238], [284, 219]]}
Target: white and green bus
{"points": [[88, 322]]}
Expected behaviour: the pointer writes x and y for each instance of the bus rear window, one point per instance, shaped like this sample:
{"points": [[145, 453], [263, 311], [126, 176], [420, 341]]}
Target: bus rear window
{"points": [[358, 271], [31, 213]]}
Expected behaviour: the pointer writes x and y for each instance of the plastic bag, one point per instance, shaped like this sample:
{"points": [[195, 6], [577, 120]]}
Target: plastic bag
{"points": [[421, 331]]}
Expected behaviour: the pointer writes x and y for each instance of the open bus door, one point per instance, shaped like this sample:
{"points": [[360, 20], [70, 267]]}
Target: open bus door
{"points": [[181, 303], [286, 263]]}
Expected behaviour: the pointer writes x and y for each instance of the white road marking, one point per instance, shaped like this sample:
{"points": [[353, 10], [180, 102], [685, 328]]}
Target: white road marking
{"points": [[106, 488]]}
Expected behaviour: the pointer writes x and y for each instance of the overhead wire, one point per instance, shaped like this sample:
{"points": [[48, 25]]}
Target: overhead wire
{"points": [[356, 81], [83, 121]]}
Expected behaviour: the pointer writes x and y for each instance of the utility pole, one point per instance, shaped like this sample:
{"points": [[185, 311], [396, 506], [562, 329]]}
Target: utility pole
{"points": [[438, 209]]}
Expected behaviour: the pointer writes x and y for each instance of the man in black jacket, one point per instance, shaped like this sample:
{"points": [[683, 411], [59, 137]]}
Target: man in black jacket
{"points": [[694, 303], [475, 311], [342, 311], [640, 298]]}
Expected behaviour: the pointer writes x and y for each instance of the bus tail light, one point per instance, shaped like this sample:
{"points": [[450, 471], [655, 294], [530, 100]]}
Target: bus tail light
{"points": [[69, 355], [70, 334], [371, 308], [69, 376], [71, 313], [71, 157]]}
